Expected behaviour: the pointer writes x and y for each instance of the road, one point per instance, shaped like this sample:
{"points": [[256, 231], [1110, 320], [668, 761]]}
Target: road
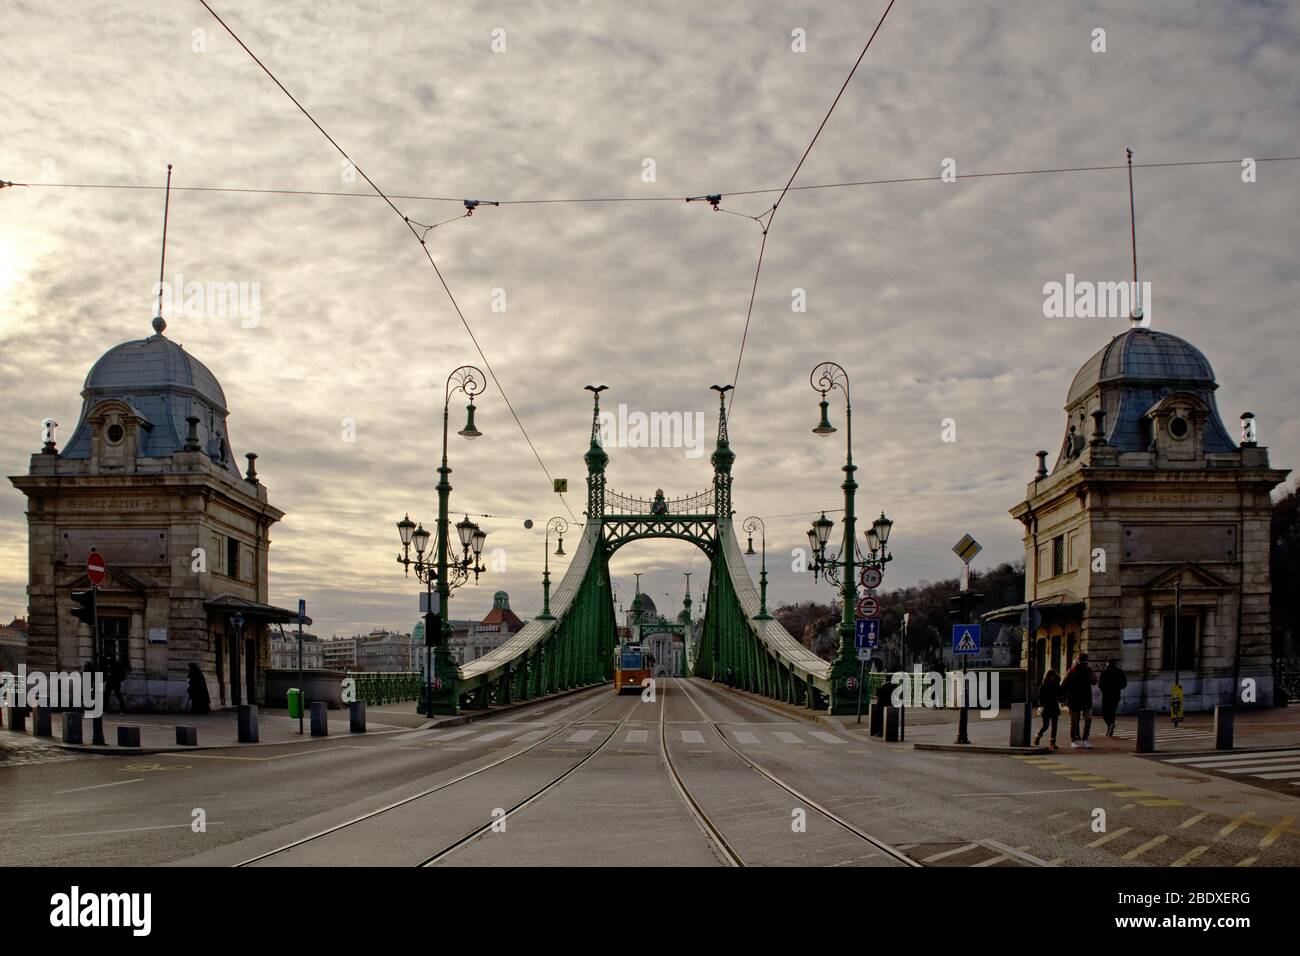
{"points": [[696, 777]]}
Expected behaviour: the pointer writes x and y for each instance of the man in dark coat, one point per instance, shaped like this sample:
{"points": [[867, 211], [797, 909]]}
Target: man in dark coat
{"points": [[1111, 683], [1076, 691]]}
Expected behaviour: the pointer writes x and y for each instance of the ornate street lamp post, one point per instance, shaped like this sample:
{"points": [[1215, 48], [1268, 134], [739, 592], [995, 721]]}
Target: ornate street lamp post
{"points": [[754, 523], [444, 572], [559, 525], [827, 377]]}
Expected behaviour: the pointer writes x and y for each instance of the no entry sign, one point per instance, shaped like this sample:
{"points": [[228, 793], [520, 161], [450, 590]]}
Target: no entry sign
{"points": [[869, 607], [95, 568]]}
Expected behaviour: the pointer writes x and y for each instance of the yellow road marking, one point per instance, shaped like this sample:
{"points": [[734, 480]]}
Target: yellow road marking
{"points": [[1134, 793], [1276, 832], [301, 753], [1190, 855], [1056, 862], [1161, 803], [1110, 836], [1071, 827], [1109, 786], [1138, 851], [1086, 777], [1236, 823], [1248, 861], [1192, 821]]}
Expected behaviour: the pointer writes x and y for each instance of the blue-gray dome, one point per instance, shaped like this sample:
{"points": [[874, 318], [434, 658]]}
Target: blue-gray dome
{"points": [[1141, 355], [164, 385], [1126, 379]]}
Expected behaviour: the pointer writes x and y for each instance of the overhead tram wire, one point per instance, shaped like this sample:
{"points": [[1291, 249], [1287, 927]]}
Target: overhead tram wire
{"points": [[428, 255], [339, 194], [744, 337]]}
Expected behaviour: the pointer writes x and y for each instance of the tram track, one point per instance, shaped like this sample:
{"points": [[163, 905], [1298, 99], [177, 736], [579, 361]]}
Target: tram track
{"points": [[446, 785], [828, 814]]}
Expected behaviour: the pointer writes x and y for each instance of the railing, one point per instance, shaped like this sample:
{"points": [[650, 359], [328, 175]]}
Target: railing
{"points": [[696, 504], [387, 687]]}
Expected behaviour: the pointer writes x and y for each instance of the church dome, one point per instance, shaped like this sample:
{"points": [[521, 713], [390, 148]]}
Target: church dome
{"points": [[164, 385], [1141, 355]]}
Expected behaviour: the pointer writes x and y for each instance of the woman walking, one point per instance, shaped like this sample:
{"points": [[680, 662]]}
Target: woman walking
{"points": [[1049, 705]]}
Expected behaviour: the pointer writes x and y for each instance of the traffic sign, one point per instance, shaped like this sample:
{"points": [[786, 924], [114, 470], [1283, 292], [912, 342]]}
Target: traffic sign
{"points": [[866, 633], [967, 548], [869, 606], [965, 638], [1031, 618], [864, 655], [871, 576], [95, 568]]}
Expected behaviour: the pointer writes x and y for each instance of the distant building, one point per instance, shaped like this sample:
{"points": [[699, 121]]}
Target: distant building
{"points": [[284, 651], [385, 651], [339, 653], [470, 640], [13, 644]]}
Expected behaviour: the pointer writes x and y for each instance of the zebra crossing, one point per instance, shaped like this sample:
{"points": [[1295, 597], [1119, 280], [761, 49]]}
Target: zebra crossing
{"points": [[468, 736], [1274, 769], [1170, 734]]}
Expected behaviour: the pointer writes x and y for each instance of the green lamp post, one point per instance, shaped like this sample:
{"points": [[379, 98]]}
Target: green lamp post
{"points": [[559, 525], [754, 523]]}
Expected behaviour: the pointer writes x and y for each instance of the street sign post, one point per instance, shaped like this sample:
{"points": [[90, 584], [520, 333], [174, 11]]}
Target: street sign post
{"points": [[866, 633], [967, 548], [871, 576], [302, 613], [869, 606]]}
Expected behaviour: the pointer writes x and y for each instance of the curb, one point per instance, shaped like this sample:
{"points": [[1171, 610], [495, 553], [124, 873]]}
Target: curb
{"points": [[793, 710], [975, 749], [107, 750]]}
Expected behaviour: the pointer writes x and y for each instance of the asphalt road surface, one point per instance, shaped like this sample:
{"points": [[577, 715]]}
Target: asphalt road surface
{"points": [[696, 777]]}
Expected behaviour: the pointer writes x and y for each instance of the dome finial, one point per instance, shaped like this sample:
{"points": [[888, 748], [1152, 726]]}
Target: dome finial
{"points": [[159, 323]]}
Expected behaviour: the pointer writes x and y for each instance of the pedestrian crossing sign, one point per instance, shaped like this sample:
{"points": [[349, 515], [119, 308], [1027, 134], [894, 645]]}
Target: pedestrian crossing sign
{"points": [[965, 638]]}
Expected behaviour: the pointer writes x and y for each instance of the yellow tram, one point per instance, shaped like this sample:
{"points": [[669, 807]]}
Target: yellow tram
{"points": [[632, 666]]}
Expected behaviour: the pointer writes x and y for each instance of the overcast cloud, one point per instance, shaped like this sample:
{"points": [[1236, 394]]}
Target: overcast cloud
{"points": [[929, 293]]}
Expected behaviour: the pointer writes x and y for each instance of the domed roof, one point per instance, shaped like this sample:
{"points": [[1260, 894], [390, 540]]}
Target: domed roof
{"points": [[153, 363], [648, 605], [164, 385], [1141, 355]]}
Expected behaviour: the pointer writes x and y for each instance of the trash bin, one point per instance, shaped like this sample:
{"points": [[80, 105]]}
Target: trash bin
{"points": [[295, 702]]}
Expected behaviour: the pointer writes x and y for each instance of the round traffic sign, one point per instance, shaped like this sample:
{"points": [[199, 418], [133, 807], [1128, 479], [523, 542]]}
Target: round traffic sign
{"points": [[95, 568], [869, 607], [871, 577], [852, 683]]}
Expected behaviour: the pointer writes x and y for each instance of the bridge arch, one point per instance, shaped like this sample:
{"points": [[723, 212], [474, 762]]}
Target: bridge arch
{"points": [[575, 646]]}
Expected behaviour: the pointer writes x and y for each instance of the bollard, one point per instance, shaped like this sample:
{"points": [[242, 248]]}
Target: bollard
{"points": [[128, 736], [42, 722], [247, 723], [320, 726], [357, 717], [1022, 724], [15, 718], [876, 720], [187, 736], [893, 725], [72, 727], [1146, 739], [97, 732], [1223, 716]]}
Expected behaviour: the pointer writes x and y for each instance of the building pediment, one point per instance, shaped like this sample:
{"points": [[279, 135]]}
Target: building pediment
{"points": [[1190, 575]]}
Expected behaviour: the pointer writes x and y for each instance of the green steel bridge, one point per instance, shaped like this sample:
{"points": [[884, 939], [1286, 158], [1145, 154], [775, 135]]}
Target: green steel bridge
{"points": [[575, 647]]}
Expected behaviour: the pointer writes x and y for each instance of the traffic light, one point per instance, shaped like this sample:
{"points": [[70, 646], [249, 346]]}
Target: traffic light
{"points": [[83, 608]]}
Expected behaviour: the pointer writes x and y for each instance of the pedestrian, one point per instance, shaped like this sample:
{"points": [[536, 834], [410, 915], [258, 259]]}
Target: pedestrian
{"points": [[200, 702], [1111, 683], [1049, 706], [116, 674], [1076, 691]]}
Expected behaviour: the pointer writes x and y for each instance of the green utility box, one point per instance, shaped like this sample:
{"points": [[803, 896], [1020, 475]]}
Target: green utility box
{"points": [[295, 702]]}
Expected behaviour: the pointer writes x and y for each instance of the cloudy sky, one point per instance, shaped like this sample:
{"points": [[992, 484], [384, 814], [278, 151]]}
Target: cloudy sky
{"points": [[929, 293]]}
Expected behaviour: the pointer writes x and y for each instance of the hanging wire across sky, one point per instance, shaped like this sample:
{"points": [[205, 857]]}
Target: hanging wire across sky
{"points": [[423, 244]]}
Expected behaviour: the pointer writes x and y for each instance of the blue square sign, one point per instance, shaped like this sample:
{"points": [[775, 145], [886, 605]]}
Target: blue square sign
{"points": [[965, 638], [866, 633]]}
